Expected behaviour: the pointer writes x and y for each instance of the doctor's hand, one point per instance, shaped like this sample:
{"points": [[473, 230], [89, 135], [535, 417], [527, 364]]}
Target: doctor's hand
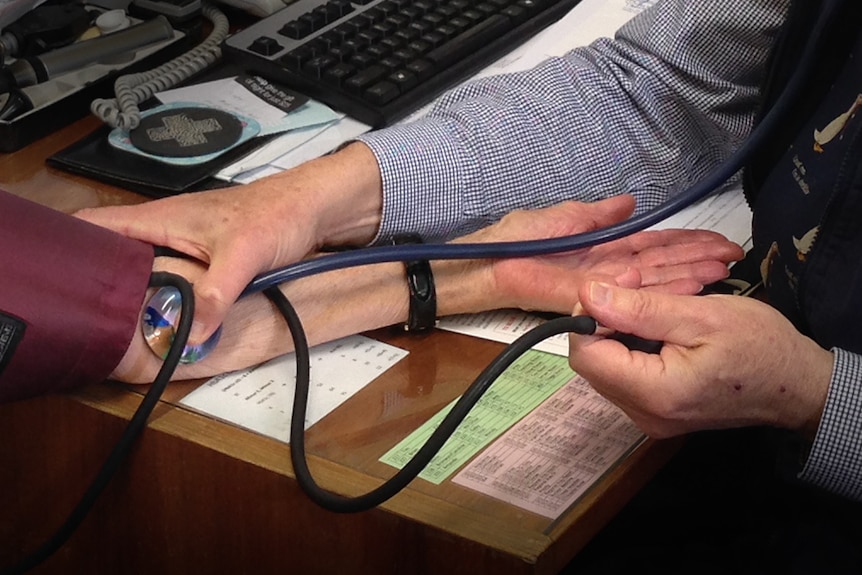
{"points": [[676, 261], [241, 232], [727, 361]]}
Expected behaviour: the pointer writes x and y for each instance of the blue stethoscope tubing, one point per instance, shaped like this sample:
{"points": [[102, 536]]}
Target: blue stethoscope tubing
{"points": [[714, 180]]}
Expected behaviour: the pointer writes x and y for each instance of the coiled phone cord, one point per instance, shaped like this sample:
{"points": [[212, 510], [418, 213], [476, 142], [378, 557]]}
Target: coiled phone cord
{"points": [[131, 89]]}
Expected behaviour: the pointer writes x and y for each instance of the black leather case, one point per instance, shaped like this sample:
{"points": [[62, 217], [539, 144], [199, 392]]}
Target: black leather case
{"points": [[94, 157]]}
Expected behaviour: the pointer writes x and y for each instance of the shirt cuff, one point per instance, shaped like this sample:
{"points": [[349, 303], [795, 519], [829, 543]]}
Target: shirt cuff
{"points": [[426, 177], [835, 460]]}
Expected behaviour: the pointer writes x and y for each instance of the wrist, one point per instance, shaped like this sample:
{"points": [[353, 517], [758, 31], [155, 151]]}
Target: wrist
{"points": [[470, 285], [819, 380], [350, 196], [464, 286], [801, 374]]}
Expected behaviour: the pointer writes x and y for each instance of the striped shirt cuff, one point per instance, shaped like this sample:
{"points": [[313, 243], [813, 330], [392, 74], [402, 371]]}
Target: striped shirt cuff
{"points": [[425, 180], [835, 460]]}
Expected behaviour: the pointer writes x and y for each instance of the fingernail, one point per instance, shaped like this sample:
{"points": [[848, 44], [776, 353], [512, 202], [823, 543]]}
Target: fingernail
{"points": [[600, 293]]}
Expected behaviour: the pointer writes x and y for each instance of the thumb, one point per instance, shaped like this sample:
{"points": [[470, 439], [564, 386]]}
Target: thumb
{"points": [[211, 307], [216, 290], [647, 314], [605, 212]]}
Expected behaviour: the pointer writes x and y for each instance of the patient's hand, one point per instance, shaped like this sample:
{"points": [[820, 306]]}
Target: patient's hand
{"points": [[675, 261]]}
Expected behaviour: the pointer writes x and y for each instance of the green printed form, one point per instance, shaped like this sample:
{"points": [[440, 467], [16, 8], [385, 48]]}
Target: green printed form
{"points": [[525, 384]]}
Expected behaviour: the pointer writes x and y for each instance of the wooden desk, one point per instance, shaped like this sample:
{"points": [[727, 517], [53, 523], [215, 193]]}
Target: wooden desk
{"points": [[200, 496]]}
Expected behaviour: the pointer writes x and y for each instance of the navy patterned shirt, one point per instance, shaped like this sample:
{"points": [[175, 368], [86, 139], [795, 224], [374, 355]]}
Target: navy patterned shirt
{"points": [[648, 112]]}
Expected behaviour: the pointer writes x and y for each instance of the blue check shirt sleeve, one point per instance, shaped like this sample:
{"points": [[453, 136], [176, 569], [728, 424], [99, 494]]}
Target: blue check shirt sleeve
{"points": [[835, 460], [647, 113]]}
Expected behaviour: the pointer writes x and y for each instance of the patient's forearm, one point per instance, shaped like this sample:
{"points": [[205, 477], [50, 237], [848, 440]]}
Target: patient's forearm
{"points": [[330, 305]]}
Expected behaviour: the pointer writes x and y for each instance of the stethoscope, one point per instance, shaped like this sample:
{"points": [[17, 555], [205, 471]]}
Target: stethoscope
{"points": [[268, 283]]}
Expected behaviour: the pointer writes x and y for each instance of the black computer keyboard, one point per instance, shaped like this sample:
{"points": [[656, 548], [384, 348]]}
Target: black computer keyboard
{"points": [[379, 60]]}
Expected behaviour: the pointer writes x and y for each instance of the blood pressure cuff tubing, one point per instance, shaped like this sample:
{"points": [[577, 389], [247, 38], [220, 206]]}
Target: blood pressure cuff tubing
{"points": [[70, 298]]}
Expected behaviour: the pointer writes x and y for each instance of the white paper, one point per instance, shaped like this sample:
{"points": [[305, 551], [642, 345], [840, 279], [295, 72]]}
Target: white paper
{"points": [[324, 142], [261, 398], [292, 149], [269, 152], [726, 212], [505, 326]]}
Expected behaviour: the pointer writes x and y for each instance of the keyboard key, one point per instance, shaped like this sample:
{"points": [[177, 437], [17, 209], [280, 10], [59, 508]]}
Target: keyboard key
{"points": [[460, 24], [339, 8], [391, 63], [433, 38], [392, 42], [315, 66], [405, 54], [424, 6], [421, 68], [338, 73], [397, 20], [434, 19], [295, 59], [381, 93], [448, 11], [314, 20], [446, 31], [411, 13], [342, 53], [419, 47], [421, 27], [407, 34], [487, 8], [296, 29], [323, 16], [365, 78], [377, 51], [473, 16], [517, 13], [266, 46], [403, 79], [388, 8], [343, 32], [362, 60], [469, 41]]}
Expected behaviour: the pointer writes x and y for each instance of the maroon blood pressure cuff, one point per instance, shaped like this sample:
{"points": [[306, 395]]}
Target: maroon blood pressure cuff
{"points": [[70, 298]]}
